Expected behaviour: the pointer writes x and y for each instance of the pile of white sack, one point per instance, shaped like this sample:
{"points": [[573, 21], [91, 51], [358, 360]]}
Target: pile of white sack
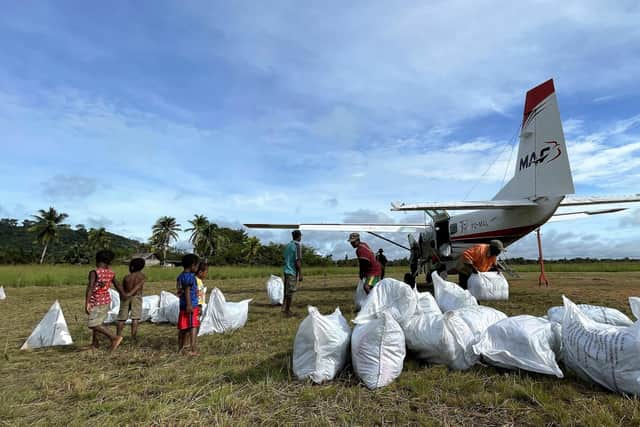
{"points": [[150, 306], [452, 329]]}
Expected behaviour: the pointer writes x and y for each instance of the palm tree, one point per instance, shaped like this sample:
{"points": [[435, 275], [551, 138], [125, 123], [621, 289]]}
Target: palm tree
{"points": [[46, 227], [165, 230], [213, 240], [251, 246], [199, 223], [98, 239]]}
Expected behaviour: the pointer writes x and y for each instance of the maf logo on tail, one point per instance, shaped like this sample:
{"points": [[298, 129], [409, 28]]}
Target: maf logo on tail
{"points": [[553, 149]]}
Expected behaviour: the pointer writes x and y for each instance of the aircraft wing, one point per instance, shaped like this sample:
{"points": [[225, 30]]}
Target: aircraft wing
{"points": [[488, 204], [565, 216], [583, 201], [376, 228]]}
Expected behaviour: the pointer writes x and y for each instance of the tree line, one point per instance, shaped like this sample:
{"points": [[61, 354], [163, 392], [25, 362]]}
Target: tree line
{"points": [[46, 237]]}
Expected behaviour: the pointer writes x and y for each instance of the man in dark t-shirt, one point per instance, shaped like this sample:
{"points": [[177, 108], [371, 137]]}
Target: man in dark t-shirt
{"points": [[382, 260]]}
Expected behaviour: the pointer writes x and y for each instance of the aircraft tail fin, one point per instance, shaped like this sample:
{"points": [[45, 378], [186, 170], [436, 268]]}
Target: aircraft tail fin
{"points": [[542, 165]]}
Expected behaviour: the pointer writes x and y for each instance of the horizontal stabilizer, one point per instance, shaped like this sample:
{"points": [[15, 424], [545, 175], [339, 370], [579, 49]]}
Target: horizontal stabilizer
{"points": [[376, 228], [582, 201], [489, 204], [565, 216]]}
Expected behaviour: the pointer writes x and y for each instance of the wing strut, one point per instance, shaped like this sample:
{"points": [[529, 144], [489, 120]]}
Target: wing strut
{"points": [[388, 240]]}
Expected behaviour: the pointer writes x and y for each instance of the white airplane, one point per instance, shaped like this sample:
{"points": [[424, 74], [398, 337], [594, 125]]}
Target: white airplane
{"points": [[540, 186]]}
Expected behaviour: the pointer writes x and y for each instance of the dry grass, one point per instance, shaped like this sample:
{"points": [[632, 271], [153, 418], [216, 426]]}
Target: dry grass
{"points": [[245, 377]]}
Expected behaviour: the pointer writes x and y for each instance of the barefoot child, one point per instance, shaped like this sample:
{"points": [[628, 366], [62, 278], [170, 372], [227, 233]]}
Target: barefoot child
{"points": [[97, 298], [131, 300], [189, 318]]}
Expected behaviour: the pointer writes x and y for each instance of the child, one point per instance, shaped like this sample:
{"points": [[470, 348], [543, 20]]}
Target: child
{"points": [[189, 317], [131, 300], [97, 298], [201, 275]]}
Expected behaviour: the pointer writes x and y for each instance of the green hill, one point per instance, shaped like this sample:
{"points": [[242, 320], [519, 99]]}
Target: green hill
{"points": [[19, 246]]}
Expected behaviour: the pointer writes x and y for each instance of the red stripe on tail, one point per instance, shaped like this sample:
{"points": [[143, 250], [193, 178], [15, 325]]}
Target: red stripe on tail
{"points": [[535, 96]]}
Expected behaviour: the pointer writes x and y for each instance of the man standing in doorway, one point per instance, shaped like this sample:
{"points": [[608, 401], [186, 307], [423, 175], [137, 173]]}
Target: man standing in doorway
{"points": [[383, 262], [370, 269], [292, 270]]}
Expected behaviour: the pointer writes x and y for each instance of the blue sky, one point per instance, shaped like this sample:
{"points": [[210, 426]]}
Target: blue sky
{"points": [[120, 112]]}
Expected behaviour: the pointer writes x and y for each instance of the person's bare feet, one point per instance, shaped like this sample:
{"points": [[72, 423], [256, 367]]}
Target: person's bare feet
{"points": [[193, 353], [115, 343], [91, 348]]}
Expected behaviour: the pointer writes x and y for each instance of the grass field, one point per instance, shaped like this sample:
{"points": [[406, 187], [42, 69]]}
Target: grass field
{"points": [[64, 274], [245, 378]]}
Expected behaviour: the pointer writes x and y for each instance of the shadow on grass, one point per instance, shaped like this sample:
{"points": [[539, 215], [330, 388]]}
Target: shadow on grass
{"points": [[276, 367]]}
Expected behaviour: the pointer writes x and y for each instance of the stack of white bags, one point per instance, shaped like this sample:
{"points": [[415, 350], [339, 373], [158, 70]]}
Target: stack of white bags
{"points": [[150, 306], [378, 345], [219, 316], [598, 343]]}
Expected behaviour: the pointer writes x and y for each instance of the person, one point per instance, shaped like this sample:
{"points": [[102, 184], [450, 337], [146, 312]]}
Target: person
{"points": [[478, 258], [98, 299], [370, 269], [201, 275], [292, 270], [189, 317], [131, 300], [383, 262]]}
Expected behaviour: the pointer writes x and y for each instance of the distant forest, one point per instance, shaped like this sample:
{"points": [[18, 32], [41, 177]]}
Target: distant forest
{"points": [[46, 238], [23, 243]]}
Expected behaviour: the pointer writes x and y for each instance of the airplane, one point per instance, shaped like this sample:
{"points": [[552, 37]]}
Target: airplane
{"points": [[541, 184]]}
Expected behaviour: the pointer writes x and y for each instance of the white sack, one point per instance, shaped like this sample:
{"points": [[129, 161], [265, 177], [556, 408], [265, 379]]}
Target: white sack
{"points": [[488, 286], [522, 342], [634, 303], [378, 351], [426, 303], [448, 338], [321, 346], [150, 307], [52, 330], [114, 306], [605, 315], [449, 295], [389, 296], [168, 309], [2, 294], [605, 354], [360, 298], [222, 316], [275, 290], [425, 334]]}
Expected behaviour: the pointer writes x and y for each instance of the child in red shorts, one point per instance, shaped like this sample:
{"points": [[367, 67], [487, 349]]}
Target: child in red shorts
{"points": [[189, 317]]}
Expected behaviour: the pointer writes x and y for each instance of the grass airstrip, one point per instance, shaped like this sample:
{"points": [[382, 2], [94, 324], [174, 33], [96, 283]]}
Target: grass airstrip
{"points": [[245, 377]]}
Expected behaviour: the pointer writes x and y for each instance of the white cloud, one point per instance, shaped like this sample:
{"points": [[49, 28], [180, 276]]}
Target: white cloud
{"points": [[312, 108]]}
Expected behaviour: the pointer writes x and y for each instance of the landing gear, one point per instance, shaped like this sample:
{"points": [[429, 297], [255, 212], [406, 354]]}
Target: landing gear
{"points": [[541, 278]]}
